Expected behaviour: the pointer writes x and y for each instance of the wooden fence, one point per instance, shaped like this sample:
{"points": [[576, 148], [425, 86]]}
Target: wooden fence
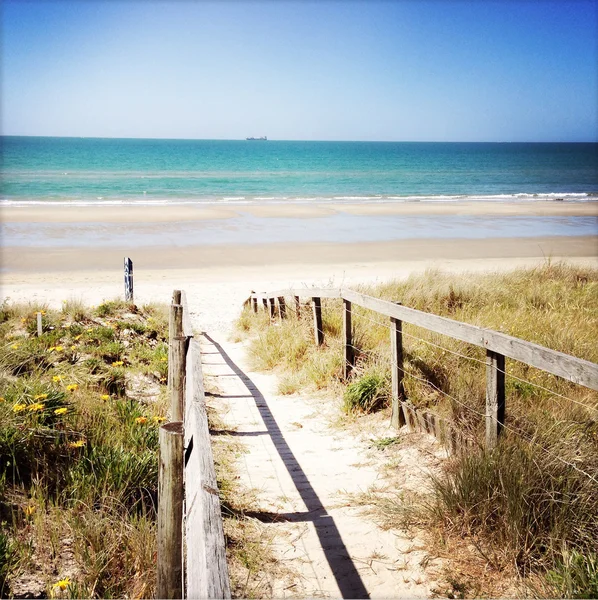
{"points": [[191, 546], [497, 346]]}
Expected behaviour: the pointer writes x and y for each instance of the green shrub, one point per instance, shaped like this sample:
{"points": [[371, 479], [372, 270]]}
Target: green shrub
{"points": [[575, 575], [367, 394]]}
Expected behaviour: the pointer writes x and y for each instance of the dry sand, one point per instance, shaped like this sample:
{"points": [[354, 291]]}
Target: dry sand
{"points": [[218, 278], [187, 212]]}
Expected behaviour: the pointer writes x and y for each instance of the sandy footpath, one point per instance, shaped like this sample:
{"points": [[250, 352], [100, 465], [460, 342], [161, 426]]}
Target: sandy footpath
{"points": [[304, 472]]}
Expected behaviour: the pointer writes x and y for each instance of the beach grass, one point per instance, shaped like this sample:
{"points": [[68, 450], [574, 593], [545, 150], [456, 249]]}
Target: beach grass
{"points": [[79, 416], [531, 505]]}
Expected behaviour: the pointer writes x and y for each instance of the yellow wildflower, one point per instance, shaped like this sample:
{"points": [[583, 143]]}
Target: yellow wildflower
{"points": [[59, 348], [19, 407], [51, 348], [78, 337], [60, 411], [63, 583], [1, 399], [72, 387], [29, 510], [141, 420], [73, 347], [36, 407], [56, 378], [15, 346], [105, 396], [77, 444], [158, 419], [23, 320], [117, 363], [43, 312], [41, 397], [163, 359]]}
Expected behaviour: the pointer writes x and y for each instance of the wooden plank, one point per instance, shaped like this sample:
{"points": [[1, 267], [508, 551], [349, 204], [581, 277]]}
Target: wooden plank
{"points": [[40, 329], [169, 583], [272, 304], [495, 397], [573, 369], [576, 370], [410, 418], [349, 361], [397, 418], [265, 303], [176, 363], [297, 306], [254, 304], [187, 325], [318, 331], [282, 307], [207, 570]]}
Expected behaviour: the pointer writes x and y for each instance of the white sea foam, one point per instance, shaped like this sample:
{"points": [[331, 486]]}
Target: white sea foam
{"points": [[244, 200]]}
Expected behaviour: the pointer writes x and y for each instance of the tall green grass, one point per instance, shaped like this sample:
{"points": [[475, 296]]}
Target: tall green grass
{"points": [[78, 457], [533, 502]]}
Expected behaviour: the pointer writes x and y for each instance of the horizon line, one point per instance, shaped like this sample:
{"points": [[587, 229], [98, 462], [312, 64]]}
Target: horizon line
{"points": [[99, 137]]}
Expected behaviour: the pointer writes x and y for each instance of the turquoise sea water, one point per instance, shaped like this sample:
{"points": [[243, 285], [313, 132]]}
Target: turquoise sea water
{"points": [[123, 171]]}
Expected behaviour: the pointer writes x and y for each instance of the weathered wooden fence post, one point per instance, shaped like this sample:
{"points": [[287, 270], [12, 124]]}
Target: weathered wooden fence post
{"points": [[254, 303], [169, 582], [297, 307], [349, 362], [398, 417], [177, 351], [265, 303], [128, 279], [40, 328], [495, 397], [272, 307], [282, 308], [318, 331]]}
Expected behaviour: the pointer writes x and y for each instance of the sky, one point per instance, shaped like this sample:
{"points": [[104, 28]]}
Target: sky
{"points": [[404, 70]]}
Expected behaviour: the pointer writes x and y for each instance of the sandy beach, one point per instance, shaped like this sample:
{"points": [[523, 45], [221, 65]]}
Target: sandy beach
{"points": [[77, 252], [218, 278], [185, 212]]}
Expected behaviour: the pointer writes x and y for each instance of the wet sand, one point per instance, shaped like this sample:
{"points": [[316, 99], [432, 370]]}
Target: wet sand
{"points": [[191, 212], [65, 259]]}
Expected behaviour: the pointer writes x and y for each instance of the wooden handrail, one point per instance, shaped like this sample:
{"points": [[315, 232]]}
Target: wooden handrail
{"points": [[189, 472], [497, 345], [576, 370]]}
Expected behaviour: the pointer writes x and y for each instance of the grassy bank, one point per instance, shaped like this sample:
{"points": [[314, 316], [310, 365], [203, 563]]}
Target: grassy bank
{"points": [[532, 505], [80, 408]]}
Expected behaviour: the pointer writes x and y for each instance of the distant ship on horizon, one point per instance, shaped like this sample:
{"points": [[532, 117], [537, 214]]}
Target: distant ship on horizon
{"points": [[265, 138]]}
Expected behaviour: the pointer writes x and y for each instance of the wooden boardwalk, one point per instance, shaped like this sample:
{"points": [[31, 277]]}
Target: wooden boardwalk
{"points": [[301, 469]]}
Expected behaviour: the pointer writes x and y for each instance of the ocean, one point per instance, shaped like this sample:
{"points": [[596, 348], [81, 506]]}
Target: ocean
{"points": [[99, 171]]}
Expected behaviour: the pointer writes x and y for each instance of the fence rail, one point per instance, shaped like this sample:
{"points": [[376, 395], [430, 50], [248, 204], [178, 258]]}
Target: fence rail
{"points": [[498, 346], [191, 545]]}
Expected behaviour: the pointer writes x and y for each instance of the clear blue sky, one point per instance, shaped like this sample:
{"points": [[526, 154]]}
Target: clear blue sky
{"points": [[440, 70]]}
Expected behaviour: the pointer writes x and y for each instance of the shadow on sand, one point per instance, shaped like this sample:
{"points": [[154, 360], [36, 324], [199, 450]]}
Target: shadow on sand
{"points": [[347, 577]]}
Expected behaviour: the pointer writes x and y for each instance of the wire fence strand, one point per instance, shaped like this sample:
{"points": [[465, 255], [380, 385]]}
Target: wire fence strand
{"points": [[451, 397]]}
